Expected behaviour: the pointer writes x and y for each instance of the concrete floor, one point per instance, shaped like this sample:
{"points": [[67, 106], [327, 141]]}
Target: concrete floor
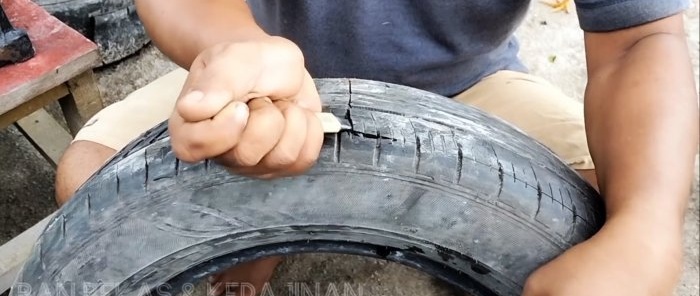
{"points": [[26, 181]]}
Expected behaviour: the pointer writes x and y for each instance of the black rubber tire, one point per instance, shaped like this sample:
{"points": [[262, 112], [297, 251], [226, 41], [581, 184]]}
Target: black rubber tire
{"points": [[419, 180], [112, 24]]}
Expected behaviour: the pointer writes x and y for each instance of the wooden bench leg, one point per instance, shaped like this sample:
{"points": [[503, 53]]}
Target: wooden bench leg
{"points": [[83, 101], [45, 134], [38, 126]]}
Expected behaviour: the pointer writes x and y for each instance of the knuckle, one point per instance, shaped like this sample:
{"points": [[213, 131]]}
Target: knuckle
{"points": [[528, 289], [235, 49], [184, 154], [195, 142], [272, 118], [532, 286], [275, 115], [282, 158], [221, 48], [306, 162], [294, 52], [228, 48], [246, 157], [293, 112], [310, 160], [201, 59]]}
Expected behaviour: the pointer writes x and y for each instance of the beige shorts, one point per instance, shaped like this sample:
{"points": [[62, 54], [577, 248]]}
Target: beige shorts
{"points": [[528, 102]]}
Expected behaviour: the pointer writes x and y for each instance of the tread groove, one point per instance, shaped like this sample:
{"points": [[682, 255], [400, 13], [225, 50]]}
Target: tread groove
{"points": [[539, 191], [416, 159], [117, 180], [336, 148], [460, 162], [500, 172], [348, 116], [539, 200], [377, 151], [145, 169], [568, 193], [347, 111], [63, 226], [378, 144], [539, 188], [87, 204], [417, 155]]}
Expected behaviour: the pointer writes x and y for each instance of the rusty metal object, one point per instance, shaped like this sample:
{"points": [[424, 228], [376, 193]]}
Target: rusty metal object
{"points": [[15, 45]]}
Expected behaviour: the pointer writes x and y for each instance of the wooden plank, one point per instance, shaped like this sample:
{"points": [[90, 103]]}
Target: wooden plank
{"points": [[83, 102], [45, 134], [14, 253], [61, 54], [38, 102]]}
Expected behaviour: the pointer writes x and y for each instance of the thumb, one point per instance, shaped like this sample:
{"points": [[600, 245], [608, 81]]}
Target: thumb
{"points": [[196, 105], [210, 88]]}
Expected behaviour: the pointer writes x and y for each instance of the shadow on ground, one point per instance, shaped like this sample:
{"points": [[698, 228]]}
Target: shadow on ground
{"points": [[26, 185]]}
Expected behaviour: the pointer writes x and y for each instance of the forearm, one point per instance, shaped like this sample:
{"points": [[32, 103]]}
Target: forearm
{"points": [[183, 28], [642, 125]]}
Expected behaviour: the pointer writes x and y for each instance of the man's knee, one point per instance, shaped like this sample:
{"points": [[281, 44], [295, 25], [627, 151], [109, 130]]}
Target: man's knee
{"points": [[78, 163]]}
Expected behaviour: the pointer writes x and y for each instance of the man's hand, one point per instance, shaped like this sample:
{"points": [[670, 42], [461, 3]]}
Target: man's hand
{"points": [[251, 106], [620, 260]]}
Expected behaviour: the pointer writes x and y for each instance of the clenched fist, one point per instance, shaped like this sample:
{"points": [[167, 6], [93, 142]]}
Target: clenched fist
{"points": [[250, 106]]}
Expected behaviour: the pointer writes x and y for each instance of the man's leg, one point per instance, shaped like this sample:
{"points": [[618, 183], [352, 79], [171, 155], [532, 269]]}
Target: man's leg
{"points": [[113, 128], [78, 163], [540, 110]]}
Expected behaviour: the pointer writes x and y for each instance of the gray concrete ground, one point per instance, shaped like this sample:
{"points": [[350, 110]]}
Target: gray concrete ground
{"points": [[551, 47]]}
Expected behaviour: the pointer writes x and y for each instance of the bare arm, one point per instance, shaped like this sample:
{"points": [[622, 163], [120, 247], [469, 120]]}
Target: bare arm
{"points": [[183, 28], [642, 124], [642, 119]]}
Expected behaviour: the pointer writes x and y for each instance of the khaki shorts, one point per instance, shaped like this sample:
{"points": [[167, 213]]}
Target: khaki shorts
{"points": [[528, 102]]}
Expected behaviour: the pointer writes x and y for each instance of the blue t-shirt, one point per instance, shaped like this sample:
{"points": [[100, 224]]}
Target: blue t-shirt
{"points": [[443, 46]]}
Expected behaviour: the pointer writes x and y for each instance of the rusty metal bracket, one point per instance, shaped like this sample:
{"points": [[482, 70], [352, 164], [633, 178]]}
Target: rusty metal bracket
{"points": [[15, 45]]}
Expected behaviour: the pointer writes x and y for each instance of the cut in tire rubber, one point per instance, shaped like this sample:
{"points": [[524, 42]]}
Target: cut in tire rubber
{"points": [[112, 24], [420, 180]]}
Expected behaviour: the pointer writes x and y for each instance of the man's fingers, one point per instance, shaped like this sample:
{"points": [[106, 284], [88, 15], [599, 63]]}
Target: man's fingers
{"points": [[265, 128], [263, 131], [311, 149], [288, 148], [307, 156], [194, 141]]}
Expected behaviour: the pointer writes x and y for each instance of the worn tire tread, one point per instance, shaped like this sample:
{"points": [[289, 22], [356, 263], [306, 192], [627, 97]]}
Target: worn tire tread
{"points": [[397, 133]]}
